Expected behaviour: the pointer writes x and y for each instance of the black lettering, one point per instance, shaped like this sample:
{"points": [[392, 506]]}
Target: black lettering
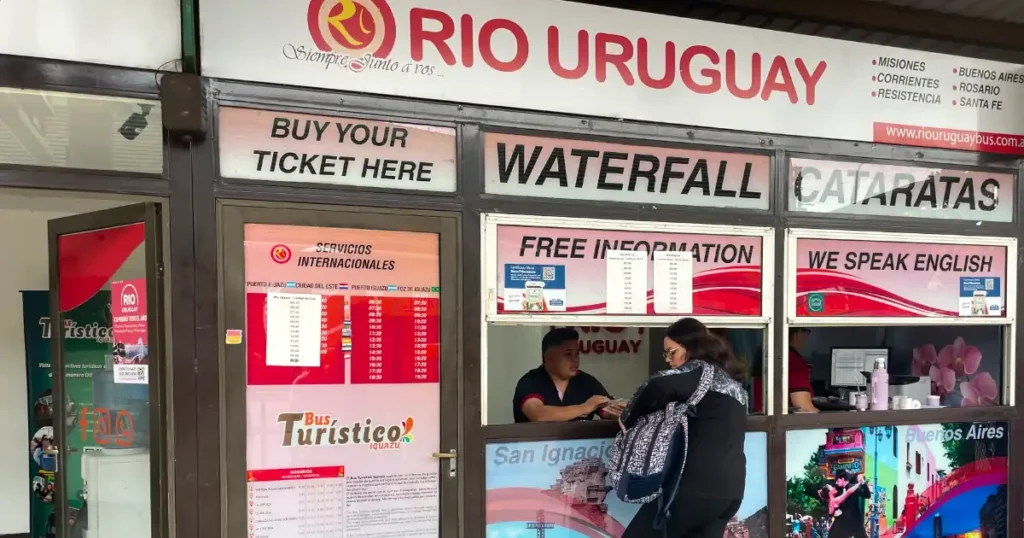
{"points": [[261, 154], [989, 191], [966, 195], [877, 187], [700, 168], [649, 174], [608, 168], [280, 128], [287, 168], [424, 172], [745, 191], [720, 190], [669, 173], [523, 169], [554, 168], [903, 186], [948, 181], [584, 156], [927, 193]]}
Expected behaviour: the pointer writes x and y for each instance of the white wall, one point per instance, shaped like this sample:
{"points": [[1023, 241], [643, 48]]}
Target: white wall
{"points": [[23, 266], [514, 350]]}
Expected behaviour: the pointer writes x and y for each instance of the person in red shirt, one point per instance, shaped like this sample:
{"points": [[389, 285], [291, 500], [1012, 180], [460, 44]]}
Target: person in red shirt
{"points": [[800, 392]]}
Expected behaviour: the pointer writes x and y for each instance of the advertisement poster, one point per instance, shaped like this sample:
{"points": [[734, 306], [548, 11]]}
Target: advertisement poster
{"points": [[321, 459], [559, 489], [547, 55], [726, 270], [584, 170], [87, 339], [853, 188], [868, 278], [131, 331], [282, 146], [534, 288], [898, 481]]}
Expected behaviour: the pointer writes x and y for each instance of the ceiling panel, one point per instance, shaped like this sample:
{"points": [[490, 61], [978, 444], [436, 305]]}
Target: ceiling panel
{"points": [[856, 20], [996, 10]]}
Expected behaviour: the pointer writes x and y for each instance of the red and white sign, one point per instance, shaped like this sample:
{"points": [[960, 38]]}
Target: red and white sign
{"points": [[892, 279], [726, 277], [318, 457], [131, 331], [557, 168], [570, 58]]}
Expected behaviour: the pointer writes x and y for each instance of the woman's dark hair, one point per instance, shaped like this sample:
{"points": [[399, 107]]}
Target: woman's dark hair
{"points": [[701, 344]]}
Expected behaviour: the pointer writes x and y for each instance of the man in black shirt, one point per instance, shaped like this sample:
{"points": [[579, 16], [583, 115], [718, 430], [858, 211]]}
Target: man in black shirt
{"points": [[558, 391]]}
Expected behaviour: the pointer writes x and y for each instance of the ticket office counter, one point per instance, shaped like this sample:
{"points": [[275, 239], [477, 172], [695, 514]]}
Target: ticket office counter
{"points": [[939, 309], [543, 272], [939, 312]]}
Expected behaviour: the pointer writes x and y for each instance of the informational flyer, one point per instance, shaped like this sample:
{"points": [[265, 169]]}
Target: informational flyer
{"points": [[131, 331], [626, 282], [293, 329], [534, 288], [980, 296], [673, 282], [343, 349]]}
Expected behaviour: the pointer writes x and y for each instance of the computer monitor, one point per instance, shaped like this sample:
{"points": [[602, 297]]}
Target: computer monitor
{"points": [[849, 363]]}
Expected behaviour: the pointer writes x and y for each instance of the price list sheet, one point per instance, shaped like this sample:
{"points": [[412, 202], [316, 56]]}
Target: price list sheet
{"points": [[395, 340], [296, 503], [626, 288], [295, 338], [673, 282]]}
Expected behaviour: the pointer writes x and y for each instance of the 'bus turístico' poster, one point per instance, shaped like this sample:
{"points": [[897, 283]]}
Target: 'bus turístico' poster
{"points": [[87, 343]]}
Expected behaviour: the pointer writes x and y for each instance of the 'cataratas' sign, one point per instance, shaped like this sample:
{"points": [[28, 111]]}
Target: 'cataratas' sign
{"points": [[281, 146], [583, 170], [903, 191]]}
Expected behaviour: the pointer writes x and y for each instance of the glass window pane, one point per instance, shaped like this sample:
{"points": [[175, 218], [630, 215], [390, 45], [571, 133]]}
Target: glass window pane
{"points": [[959, 366]]}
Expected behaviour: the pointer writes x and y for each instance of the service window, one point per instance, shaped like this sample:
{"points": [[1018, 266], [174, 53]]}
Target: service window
{"points": [[935, 312], [593, 298]]}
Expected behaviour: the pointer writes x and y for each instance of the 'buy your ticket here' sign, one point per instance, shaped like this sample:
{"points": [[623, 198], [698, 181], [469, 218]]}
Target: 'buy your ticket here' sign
{"points": [[281, 146]]}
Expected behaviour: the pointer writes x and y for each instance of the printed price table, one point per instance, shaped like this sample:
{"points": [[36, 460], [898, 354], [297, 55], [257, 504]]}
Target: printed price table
{"points": [[294, 503], [395, 340]]}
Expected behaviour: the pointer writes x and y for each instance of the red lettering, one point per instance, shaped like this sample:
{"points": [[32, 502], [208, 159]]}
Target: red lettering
{"points": [[467, 40], [308, 419], [582, 46], [643, 69], [730, 76], [810, 79], [602, 57], [418, 35], [522, 45], [685, 67], [779, 69]]}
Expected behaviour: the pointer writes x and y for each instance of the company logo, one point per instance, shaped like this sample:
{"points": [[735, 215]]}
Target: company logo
{"points": [[281, 253], [311, 429], [353, 27], [129, 298], [816, 302]]}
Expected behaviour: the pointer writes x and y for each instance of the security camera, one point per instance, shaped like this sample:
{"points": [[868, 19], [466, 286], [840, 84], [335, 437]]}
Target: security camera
{"points": [[133, 126]]}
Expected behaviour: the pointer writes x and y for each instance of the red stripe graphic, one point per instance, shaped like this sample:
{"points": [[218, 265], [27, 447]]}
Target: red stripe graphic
{"points": [[938, 137]]}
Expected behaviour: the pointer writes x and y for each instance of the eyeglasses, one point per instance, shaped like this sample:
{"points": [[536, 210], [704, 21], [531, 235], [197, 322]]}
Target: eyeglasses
{"points": [[666, 354]]}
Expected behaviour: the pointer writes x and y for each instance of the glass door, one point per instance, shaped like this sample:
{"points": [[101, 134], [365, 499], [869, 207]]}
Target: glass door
{"points": [[106, 295], [340, 372]]}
